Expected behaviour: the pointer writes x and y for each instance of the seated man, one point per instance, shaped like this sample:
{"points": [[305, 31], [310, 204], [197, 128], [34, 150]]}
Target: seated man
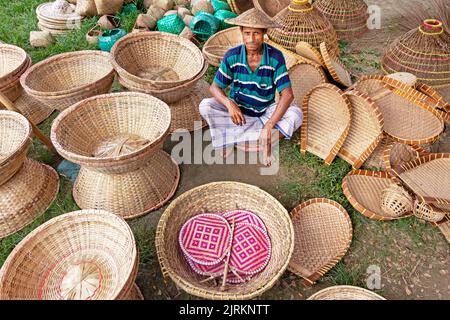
{"points": [[255, 71]]}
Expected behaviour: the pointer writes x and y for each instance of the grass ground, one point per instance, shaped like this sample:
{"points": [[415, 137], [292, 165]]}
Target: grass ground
{"points": [[404, 250]]}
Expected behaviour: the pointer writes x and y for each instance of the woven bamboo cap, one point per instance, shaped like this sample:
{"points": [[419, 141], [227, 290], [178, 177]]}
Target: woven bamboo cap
{"points": [[253, 18]]}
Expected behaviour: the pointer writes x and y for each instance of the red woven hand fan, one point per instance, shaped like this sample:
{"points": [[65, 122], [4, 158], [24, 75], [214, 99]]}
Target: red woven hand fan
{"points": [[244, 216]]}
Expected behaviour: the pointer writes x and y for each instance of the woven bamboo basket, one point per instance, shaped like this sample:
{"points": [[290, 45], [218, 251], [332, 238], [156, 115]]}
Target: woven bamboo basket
{"points": [[327, 113], [407, 119], [220, 197], [12, 61], [304, 77], [12, 88], [302, 22], [171, 95], [240, 6], [425, 176], [216, 46], [323, 234], [112, 133], [345, 293], [15, 139], [366, 130], [436, 100], [271, 8], [166, 67], [445, 229], [422, 51], [337, 70], [82, 255], [68, 78], [363, 190], [376, 158], [427, 212], [348, 17], [27, 195], [307, 51], [396, 201], [396, 154], [130, 194], [34, 110], [185, 112]]}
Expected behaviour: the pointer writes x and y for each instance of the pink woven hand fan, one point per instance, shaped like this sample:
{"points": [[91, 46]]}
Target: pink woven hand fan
{"points": [[244, 216], [205, 238]]}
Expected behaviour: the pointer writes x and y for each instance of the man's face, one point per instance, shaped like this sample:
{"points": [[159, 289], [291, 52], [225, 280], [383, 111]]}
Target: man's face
{"points": [[253, 38]]}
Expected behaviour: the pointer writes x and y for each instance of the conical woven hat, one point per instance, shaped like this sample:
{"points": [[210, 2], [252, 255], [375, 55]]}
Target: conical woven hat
{"points": [[253, 18]]}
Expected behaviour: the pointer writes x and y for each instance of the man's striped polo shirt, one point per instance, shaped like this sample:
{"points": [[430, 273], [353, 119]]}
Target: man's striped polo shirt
{"points": [[254, 91]]}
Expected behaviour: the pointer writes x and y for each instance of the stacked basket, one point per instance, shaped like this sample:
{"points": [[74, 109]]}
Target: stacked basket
{"points": [[165, 66], [58, 17], [14, 62], [27, 188]]}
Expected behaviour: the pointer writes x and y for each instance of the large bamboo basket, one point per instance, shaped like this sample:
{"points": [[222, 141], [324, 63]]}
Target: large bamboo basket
{"points": [[345, 293], [82, 255], [79, 132], [240, 6], [304, 77], [12, 61], [272, 7], [34, 110], [324, 233], [327, 113], [68, 78], [217, 45], [348, 17], [407, 118], [220, 197], [363, 190], [15, 139], [422, 51], [156, 60], [11, 87], [366, 130], [27, 195], [302, 22]]}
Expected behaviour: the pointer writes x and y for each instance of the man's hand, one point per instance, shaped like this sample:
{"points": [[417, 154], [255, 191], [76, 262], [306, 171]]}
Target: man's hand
{"points": [[265, 141], [235, 113]]}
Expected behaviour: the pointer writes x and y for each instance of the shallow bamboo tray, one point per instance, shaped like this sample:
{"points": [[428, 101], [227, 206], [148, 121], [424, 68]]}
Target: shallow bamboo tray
{"points": [[307, 51], [323, 234], [304, 77], [376, 158], [345, 293], [363, 190], [327, 113], [337, 70], [217, 45], [272, 7], [219, 197], [96, 246]]}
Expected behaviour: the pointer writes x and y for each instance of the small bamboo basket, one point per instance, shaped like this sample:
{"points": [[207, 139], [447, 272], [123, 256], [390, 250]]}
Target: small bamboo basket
{"points": [[427, 212], [396, 201]]}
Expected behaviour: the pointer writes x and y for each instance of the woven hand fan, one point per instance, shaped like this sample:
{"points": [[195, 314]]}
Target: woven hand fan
{"points": [[363, 190], [306, 50], [244, 216], [337, 70], [327, 113], [323, 234], [205, 238]]}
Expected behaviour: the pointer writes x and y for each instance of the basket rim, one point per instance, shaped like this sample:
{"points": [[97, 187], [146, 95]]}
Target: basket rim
{"points": [[360, 159], [82, 55], [33, 235], [304, 129], [25, 142], [215, 36], [328, 60], [39, 8], [355, 289], [192, 288], [311, 279], [151, 35], [15, 71], [54, 136], [359, 206]]}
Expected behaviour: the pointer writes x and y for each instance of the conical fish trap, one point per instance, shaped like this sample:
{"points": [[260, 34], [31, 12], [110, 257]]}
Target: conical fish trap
{"points": [[348, 17], [302, 22], [423, 51]]}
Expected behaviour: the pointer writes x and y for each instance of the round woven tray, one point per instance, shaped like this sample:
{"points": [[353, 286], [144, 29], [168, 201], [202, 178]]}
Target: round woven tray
{"points": [[12, 61], [363, 190], [337, 70], [240, 6], [32, 109], [304, 77], [86, 254], [15, 138], [345, 293], [171, 95], [428, 178], [185, 112], [217, 45], [272, 7], [166, 65], [96, 132], [406, 119], [309, 52], [26, 196], [366, 130], [220, 197], [327, 113], [323, 234], [130, 194]]}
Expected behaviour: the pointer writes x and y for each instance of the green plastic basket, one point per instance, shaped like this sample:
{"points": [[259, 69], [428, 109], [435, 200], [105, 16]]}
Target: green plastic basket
{"points": [[204, 25], [221, 15], [171, 23], [220, 5]]}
